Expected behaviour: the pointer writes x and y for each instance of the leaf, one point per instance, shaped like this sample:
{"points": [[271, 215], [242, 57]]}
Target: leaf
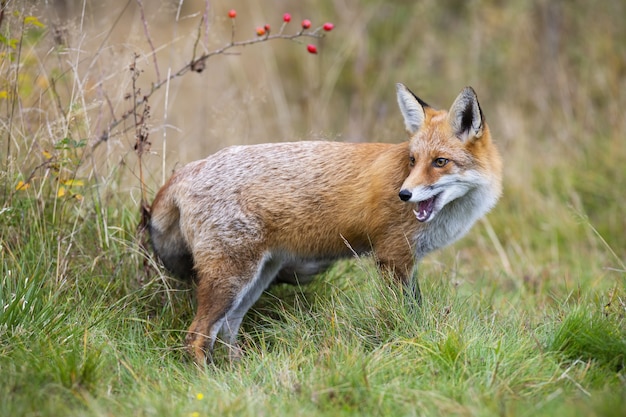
{"points": [[11, 43], [68, 143], [62, 144], [32, 20], [61, 192], [21, 186], [46, 155], [74, 183]]}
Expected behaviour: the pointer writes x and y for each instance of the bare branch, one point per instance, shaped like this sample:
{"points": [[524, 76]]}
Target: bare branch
{"points": [[206, 21], [147, 32], [198, 65]]}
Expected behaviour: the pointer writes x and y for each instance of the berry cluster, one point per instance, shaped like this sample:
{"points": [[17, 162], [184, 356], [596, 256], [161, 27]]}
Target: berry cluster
{"points": [[306, 24]]}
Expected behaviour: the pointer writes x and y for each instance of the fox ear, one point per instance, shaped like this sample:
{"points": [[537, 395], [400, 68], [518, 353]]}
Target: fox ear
{"points": [[412, 108], [465, 116]]}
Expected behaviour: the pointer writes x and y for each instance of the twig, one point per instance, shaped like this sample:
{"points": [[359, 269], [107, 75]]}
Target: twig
{"points": [[206, 21], [3, 4], [195, 46], [14, 102], [232, 30], [147, 32], [197, 65], [141, 130]]}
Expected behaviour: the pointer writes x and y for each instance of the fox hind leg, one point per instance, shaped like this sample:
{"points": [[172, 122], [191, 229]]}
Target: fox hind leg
{"points": [[226, 291], [220, 283], [202, 333], [267, 269]]}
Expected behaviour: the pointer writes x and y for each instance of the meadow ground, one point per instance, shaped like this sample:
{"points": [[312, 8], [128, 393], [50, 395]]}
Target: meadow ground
{"points": [[524, 316]]}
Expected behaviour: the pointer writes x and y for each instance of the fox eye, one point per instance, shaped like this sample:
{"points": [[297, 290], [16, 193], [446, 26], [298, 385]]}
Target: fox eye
{"points": [[411, 160], [440, 162]]}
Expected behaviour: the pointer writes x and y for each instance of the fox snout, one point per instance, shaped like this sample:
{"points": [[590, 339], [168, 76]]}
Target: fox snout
{"points": [[405, 195], [425, 208]]}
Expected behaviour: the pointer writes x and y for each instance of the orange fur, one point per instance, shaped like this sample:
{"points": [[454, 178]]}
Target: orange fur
{"points": [[247, 215]]}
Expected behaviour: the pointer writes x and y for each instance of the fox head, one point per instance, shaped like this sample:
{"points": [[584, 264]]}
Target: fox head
{"points": [[450, 152]]}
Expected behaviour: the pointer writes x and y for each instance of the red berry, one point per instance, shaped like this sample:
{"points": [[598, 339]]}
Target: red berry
{"points": [[287, 18], [311, 48], [306, 23], [232, 13], [328, 27], [267, 27], [260, 31]]}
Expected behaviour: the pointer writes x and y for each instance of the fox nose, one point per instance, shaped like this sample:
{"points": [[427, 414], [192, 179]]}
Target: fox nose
{"points": [[405, 195]]}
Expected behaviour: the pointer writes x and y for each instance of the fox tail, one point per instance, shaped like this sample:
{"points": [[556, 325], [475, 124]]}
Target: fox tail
{"points": [[163, 224]]}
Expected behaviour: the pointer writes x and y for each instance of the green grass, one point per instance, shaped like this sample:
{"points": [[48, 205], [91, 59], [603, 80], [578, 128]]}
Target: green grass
{"points": [[526, 316], [88, 343]]}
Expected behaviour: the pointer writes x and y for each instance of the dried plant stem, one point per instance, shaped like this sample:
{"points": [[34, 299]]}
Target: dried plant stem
{"points": [[147, 32], [13, 103]]}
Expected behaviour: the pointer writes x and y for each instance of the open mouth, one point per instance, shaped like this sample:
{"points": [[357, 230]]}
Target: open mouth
{"points": [[425, 208]]}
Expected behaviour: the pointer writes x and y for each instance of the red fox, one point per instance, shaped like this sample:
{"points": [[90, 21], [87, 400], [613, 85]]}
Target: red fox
{"points": [[248, 215]]}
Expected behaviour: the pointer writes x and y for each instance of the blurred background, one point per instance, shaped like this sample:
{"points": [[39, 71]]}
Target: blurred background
{"points": [[550, 76]]}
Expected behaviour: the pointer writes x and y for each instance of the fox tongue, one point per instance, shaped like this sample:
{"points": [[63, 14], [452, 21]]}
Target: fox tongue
{"points": [[425, 209]]}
